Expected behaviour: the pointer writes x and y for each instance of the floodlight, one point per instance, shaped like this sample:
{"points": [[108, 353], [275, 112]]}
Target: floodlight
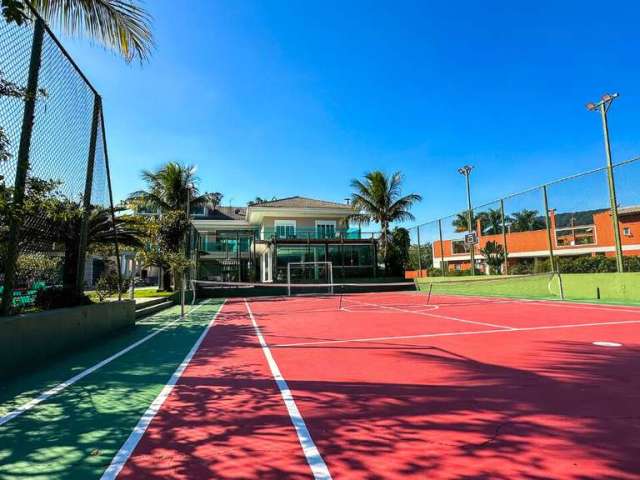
{"points": [[591, 106]]}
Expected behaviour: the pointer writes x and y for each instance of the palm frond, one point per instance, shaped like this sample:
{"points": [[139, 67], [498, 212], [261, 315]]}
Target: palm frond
{"points": [[120, 25]]}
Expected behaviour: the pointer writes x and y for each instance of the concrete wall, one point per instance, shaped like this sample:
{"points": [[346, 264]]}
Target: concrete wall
{"points": [[33, 338]]}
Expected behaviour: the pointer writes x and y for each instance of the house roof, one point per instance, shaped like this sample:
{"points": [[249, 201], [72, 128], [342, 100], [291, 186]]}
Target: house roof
{"points": [[630, 210], [227, 213], [300, 202]]}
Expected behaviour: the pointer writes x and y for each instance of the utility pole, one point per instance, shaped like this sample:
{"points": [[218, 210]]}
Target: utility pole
{"points": [[603, 107], [466, 172]]}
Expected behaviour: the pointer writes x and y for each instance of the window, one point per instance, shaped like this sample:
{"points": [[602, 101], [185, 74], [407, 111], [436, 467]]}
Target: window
{"points": [[198, 209], [626, 231], [459, 247], [285, 228], [568, 237], [326, 228]]}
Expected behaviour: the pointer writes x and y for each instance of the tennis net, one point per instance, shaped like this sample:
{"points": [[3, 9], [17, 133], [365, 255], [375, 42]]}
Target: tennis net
{"points": [[546, 286], [211, 289]]}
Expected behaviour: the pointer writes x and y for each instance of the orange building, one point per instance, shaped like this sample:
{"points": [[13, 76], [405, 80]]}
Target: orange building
{"points": [[573, 234]]}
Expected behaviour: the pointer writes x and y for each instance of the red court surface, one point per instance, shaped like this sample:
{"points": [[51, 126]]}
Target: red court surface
{"points": [[391, 388]]}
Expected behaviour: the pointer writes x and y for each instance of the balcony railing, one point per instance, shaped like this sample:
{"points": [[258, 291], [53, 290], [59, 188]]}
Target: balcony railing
{"points": [[225, 245], [311, 233]]}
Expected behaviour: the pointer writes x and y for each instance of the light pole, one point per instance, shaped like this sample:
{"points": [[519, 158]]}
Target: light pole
{"points": [[466, 172], [603, 107]]}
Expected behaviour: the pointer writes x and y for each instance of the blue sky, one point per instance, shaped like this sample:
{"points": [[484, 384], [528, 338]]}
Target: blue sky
{"points": [[296, 98]]}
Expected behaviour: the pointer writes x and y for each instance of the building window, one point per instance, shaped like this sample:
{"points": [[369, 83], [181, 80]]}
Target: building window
{"points": [[459, 247], [198, 209], [285, 228], [326, 228], [569, 237], [626, 231]]}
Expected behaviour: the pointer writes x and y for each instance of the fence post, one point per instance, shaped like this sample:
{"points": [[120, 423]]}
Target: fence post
{"points": [[86, 200], [113, 213], [504, 238], [548, 224], [22, 168], [419, 253], [442, 265]]}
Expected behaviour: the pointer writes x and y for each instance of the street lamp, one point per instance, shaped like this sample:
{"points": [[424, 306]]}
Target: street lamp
{"points": [[603, 107], [466, 172]]}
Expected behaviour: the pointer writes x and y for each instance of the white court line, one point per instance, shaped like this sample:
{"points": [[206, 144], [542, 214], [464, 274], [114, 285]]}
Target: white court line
{"points": [[129, 445], [584, 306], [314, 459], [60, 387], [455, 334], [446, 317]]}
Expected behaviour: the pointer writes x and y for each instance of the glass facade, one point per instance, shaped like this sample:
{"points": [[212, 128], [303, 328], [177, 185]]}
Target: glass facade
{"points": [[347, 260]]}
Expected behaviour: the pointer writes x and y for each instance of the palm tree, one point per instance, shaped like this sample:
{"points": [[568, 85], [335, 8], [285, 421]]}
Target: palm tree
{"points": [[65, 225], [168, 189], [461, 221], [526, 220], [119, 25], [494, 255], [492, 221], [377, 198]]}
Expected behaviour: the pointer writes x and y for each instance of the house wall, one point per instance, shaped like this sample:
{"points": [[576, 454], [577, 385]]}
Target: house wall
{"points": [[303, 222], [536, 241]]}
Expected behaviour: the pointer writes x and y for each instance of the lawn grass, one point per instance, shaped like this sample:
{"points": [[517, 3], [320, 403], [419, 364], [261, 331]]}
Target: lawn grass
{"points": [[142, 292], [614, 288]]}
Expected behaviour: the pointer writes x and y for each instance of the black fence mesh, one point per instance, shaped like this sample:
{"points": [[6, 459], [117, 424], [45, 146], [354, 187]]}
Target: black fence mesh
{"points": [[45, 159]]}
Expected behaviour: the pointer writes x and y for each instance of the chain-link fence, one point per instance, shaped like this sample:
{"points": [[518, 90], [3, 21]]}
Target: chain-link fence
{"points": [[584, 223], [57, 232]]}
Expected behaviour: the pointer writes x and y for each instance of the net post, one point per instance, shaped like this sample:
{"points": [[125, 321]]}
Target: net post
{"points": [[330, 266], [289, 279], [560, 284], [429, 294], [22, 168]]}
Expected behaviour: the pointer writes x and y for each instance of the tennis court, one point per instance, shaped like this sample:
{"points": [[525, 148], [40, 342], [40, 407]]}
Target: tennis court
{"points": [[354, 385]]}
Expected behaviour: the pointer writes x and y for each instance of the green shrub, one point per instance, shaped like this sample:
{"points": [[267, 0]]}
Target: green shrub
{"points": [[58, 297]]}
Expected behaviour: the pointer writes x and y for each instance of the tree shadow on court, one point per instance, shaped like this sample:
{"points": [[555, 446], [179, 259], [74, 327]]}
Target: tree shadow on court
{"points": [[76, 433], [571, 415]]}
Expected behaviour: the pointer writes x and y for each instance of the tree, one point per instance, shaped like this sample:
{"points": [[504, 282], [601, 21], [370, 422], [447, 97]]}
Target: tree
{"points": [[494, 256], [65, 224], [399, 251], [461, 221], [168, 189], [526, 220], [491, 221], [424, 253], [257, 200], [377, 198], [119, 25]]}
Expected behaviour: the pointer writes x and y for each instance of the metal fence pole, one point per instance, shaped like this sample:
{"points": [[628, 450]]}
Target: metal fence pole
{"points": [[22, 168], [113, 213], [419, 254], [504, 238], [86, 200], [442, 265], [548, 225]]}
